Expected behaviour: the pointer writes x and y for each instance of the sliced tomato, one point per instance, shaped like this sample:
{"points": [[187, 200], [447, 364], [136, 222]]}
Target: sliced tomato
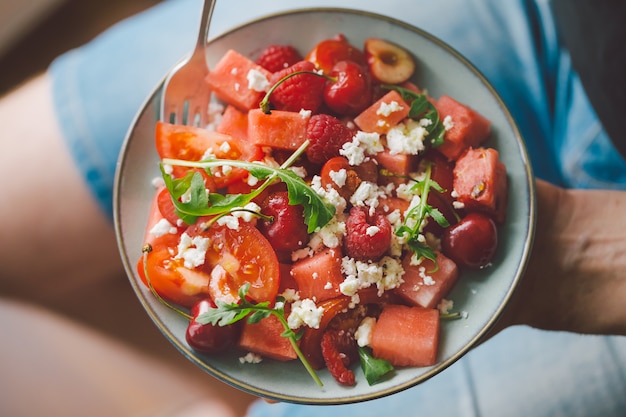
{"points": [[168, 276], [237, 257], [166, 206], [192, 144]]}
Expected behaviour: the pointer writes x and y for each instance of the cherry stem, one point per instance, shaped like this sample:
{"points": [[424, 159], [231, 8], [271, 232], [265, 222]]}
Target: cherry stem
{"points": [[147, 248]]}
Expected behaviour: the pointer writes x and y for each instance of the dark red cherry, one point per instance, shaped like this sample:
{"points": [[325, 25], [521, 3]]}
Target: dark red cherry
{"points": [[287, 231], [207, 338], [472, 242], [350, 91]]}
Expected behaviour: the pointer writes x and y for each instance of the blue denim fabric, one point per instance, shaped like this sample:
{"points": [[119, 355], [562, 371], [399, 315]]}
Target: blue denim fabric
{"points": [[521, 372]]}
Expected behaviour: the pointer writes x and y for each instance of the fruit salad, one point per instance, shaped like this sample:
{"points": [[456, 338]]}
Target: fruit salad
{"points": [[325, 213]]}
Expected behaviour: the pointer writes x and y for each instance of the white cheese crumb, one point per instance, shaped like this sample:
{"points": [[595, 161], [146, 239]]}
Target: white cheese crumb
{"points": [[257, 81], [163, 227], [229, 221], [448, 123], [339, 177], [363, 334], [305, 114], [445, 306], [225, 147], [386, 109], [361, 145], [406, 138], [305, 312], [251, 357], [192, 250], [372, 230]]}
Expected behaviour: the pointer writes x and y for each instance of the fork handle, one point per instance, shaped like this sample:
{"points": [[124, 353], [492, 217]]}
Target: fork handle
{"points": [[203, 33]]}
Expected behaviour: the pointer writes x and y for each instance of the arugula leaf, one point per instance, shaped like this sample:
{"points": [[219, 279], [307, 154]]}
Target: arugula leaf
{"points": [[225, 314], [373, 369], [422, 108], [412, 225], [317, 213]]}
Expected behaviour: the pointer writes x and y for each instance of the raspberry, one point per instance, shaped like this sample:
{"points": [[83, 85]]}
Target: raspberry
{"points": [[275, 58], [336, 360], [301, 91], [326, 134], [287, 232], [367, 237]]}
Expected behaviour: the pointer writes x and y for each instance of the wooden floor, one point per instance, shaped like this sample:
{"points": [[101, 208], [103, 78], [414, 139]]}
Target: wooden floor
{"points": [[72, 24]]}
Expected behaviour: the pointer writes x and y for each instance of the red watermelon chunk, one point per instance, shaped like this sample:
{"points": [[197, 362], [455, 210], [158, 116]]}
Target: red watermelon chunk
{"points": [[406, 336], [397, 163], [264, 338], [480, 182], [229, 80], [234, 122], [376, 119], [469, 128], [319, 276], [280, 129], [424, 285]]}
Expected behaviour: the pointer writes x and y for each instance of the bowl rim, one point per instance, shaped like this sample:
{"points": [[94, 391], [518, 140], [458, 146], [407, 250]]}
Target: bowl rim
{"points": [[129, 265]]}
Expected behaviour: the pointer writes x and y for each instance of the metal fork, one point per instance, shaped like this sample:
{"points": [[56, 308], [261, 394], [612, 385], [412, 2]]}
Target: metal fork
{"points": [[186, 96]]}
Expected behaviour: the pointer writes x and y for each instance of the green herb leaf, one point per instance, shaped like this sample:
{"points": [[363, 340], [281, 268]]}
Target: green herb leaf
{"points": [[225, 314], [373, 368], [317, 212], [422, 108], [412, 225]]}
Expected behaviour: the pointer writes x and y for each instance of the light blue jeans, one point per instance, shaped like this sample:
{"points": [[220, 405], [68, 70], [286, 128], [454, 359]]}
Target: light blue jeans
{"points": [[521, 372]]}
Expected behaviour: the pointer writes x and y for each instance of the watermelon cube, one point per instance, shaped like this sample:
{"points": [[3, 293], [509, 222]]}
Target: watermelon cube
{"points": [[480, 182], [396, 163], [319, 276], [469, 128], [280, 129], [384, 114], [264, 338], [426, 285], [406, 336], [234, 122], [229, 80]]}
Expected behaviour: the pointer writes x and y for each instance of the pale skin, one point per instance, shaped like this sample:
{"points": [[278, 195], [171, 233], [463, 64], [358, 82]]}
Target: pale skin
{"points": [[574, 282]]}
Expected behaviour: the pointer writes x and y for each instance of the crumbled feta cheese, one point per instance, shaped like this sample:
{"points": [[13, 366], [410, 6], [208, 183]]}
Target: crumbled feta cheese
{"points": [[251, 357], [363, 334], [192, 250], [301, 254], [305, 114], [385, 274], [445, 306], [448, 123], [328, 194], [406, 138], [305, 312], [230, 221], [163, 227], [362, 144], [290, 295], [299, 171], [386, 109], [331, 235], [246, 213], [225, 147], [367, 195], [372, 230], [339, 177], [257, 81]]}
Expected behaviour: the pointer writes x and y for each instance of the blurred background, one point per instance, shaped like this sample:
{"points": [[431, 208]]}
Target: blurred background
{"points": [[34, 32]]}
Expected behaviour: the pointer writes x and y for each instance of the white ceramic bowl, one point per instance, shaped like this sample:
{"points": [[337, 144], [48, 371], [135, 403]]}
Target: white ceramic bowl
{"points": [[482, 294]]}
